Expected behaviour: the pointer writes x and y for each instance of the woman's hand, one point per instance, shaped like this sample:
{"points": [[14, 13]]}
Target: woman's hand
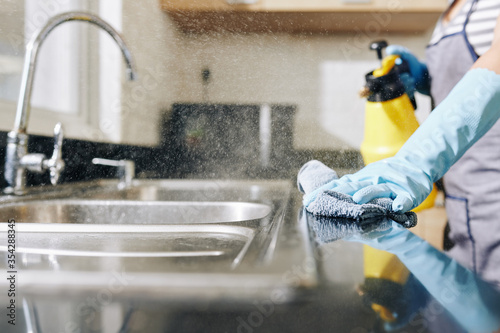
{"points": [[418, 69]]}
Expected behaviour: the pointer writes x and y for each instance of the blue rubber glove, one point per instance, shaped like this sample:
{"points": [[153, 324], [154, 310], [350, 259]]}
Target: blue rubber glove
{"points": [[467, 113], [418, 70], [409, 84]]}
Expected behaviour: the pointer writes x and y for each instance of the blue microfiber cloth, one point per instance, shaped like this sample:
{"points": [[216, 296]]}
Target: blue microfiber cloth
{"points": [[331, 229], [334, 204]]}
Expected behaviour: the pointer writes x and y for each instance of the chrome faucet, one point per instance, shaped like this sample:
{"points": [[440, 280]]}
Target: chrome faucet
{"points": [[17, 158]]}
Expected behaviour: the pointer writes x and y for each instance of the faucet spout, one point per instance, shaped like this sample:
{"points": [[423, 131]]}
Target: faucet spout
{"points": [[17, 158], [23, 105]]}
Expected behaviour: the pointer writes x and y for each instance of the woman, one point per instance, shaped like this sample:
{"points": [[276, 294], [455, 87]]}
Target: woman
{"points": [[472, 184], [460, 135]]}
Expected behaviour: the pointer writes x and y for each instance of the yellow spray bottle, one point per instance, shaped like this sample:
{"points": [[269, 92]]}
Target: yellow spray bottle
{"points": [[389, 113], [389, 121]]}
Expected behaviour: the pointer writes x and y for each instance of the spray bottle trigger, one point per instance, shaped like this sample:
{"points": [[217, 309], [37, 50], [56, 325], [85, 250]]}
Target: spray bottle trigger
{"points": [[388, 64]]}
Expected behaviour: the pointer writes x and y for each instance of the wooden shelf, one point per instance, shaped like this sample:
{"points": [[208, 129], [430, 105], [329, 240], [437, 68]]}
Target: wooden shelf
{"points": [[301, 16]]}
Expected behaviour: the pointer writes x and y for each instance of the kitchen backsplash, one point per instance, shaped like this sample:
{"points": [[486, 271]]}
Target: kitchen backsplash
{"points": [[198, 141], [78, 155]]}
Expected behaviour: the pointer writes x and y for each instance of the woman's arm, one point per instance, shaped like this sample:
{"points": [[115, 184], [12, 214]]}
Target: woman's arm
{"points": [[491, 59], [462, 118]]}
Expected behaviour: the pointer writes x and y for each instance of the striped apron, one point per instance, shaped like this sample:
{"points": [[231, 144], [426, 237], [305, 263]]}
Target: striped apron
{"points": [[472, 184]]}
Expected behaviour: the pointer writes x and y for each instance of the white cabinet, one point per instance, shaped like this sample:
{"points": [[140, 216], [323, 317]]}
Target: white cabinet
{"points": [[314, 16]]}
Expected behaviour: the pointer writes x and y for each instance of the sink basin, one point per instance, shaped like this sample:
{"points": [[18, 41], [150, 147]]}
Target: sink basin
{"points": [[179, 240], [194, 190], [166, 247], [132, 212]]}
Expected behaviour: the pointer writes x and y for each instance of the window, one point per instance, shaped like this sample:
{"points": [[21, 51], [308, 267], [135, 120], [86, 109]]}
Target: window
{"points": [[78, 72]]}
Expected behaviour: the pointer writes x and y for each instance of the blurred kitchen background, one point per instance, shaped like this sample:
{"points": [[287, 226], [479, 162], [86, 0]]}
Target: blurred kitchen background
{"points": [[224, 90], [311, 63]]}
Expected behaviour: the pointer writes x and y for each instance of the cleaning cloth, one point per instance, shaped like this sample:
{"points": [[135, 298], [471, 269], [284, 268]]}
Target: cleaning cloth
{"points": [[331, 229], [330, 203]]}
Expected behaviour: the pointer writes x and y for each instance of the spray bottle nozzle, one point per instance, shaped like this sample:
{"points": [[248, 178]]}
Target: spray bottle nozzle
{"points": [[378, 46]]}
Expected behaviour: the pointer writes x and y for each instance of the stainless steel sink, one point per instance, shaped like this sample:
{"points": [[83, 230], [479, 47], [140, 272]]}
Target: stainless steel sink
{"points": [[193, 190], [190, 246], [181, 240], [132, 212]]}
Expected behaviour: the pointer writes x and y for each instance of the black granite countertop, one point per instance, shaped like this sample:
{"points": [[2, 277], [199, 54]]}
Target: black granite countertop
{"points": [[399, 283]]}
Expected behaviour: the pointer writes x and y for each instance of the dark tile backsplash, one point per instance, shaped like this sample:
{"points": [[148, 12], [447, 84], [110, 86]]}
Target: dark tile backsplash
{"points": [[78, 155], [229, 140], [198, 141]]}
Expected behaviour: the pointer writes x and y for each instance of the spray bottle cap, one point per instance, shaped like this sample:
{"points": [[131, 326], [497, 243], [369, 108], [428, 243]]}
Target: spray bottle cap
{"points": [[384, 88], [384, 83]]}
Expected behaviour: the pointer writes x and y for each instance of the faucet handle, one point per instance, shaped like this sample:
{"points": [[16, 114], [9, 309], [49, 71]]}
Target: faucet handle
{"points": [[56, 164], [125, 171]]}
